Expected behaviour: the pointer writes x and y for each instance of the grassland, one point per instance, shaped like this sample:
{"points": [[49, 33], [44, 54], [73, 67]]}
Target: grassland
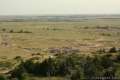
{"points": [[85, 35], [25, 38]]}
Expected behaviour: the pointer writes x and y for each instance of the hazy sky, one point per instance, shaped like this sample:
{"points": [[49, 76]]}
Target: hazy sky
{"points": [[43, 7]]}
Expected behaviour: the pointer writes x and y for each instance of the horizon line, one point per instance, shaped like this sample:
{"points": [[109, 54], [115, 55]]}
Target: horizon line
{"points": [[54, 14]]}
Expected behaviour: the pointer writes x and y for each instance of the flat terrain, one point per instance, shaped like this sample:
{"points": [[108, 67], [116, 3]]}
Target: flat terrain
{"points": [[25, 38]]}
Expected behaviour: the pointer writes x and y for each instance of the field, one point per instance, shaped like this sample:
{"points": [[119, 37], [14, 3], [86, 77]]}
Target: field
{"points": [[87, 36], [26, 38]]}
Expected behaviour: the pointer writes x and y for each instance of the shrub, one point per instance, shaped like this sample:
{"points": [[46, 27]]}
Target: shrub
{"points": [[101, 51], [75, 66], [112, 50], [2, 77], [18, 72], [117, 74], [106, 62], [11, 31], [27, 32], [3, 29], [18, 58], [21, 31]]}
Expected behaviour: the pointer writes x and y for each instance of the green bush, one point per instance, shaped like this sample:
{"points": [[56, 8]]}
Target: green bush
{"points": [[2, 77], [112, 50], [74, 66], [19, 72], [11, 31], [3, 29]]}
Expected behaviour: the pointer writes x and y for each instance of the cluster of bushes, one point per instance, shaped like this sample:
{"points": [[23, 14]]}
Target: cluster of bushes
{"points": [[106, 34], [114, 50], [110, 50], [72, 67], [3, 77], [105, 27], [21, 31], [102, 27], [12, 31], [63, 50], [98, 27], [53, 29]]}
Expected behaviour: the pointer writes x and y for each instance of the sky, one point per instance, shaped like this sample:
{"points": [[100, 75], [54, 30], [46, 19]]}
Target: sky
{"points": [[52, 7]]}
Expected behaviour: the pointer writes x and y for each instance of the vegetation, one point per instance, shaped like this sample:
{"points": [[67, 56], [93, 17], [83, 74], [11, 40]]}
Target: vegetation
{"points": [[2, 77], [113, 50], [60, 50], [71, 66]]}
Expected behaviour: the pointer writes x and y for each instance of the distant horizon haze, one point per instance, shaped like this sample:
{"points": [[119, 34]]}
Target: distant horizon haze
{"points": [[59, 7]]}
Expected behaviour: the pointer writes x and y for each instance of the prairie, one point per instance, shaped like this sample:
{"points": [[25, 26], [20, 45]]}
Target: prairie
{"points": [[85, 35], [37, 38]]}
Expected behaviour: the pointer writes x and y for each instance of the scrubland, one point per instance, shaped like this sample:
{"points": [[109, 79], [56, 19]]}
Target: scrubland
{"points": [[24, 41]]}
